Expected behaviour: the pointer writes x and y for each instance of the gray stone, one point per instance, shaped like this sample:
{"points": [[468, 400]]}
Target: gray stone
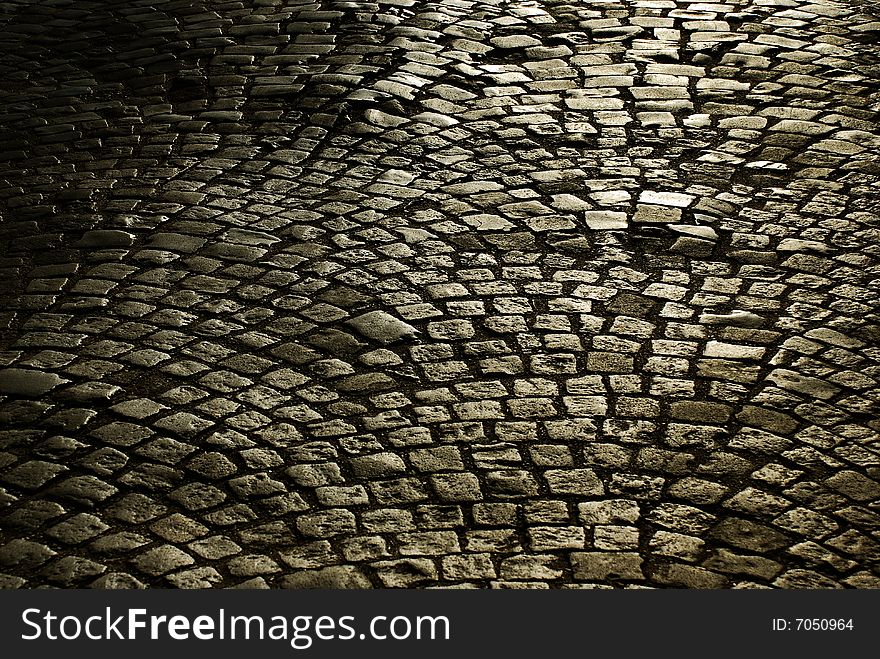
{"points": [[29, 383], [383, 327]]}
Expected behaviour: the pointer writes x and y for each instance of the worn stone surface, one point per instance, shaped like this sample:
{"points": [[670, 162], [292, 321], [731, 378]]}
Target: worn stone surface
{"points": [[420, 293]]}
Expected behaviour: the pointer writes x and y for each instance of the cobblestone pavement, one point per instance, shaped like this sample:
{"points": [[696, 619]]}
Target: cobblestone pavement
{"points": [[439, 293]]}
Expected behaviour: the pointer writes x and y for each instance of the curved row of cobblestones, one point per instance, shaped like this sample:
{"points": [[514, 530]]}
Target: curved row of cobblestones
{"points": [[464, 293]]}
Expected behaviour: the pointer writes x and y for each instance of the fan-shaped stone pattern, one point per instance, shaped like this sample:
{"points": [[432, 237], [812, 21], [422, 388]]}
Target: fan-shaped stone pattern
{"points": [[406, 294]]}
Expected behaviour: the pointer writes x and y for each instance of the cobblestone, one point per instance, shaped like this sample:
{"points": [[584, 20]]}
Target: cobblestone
{"points": [[419, 293]]}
